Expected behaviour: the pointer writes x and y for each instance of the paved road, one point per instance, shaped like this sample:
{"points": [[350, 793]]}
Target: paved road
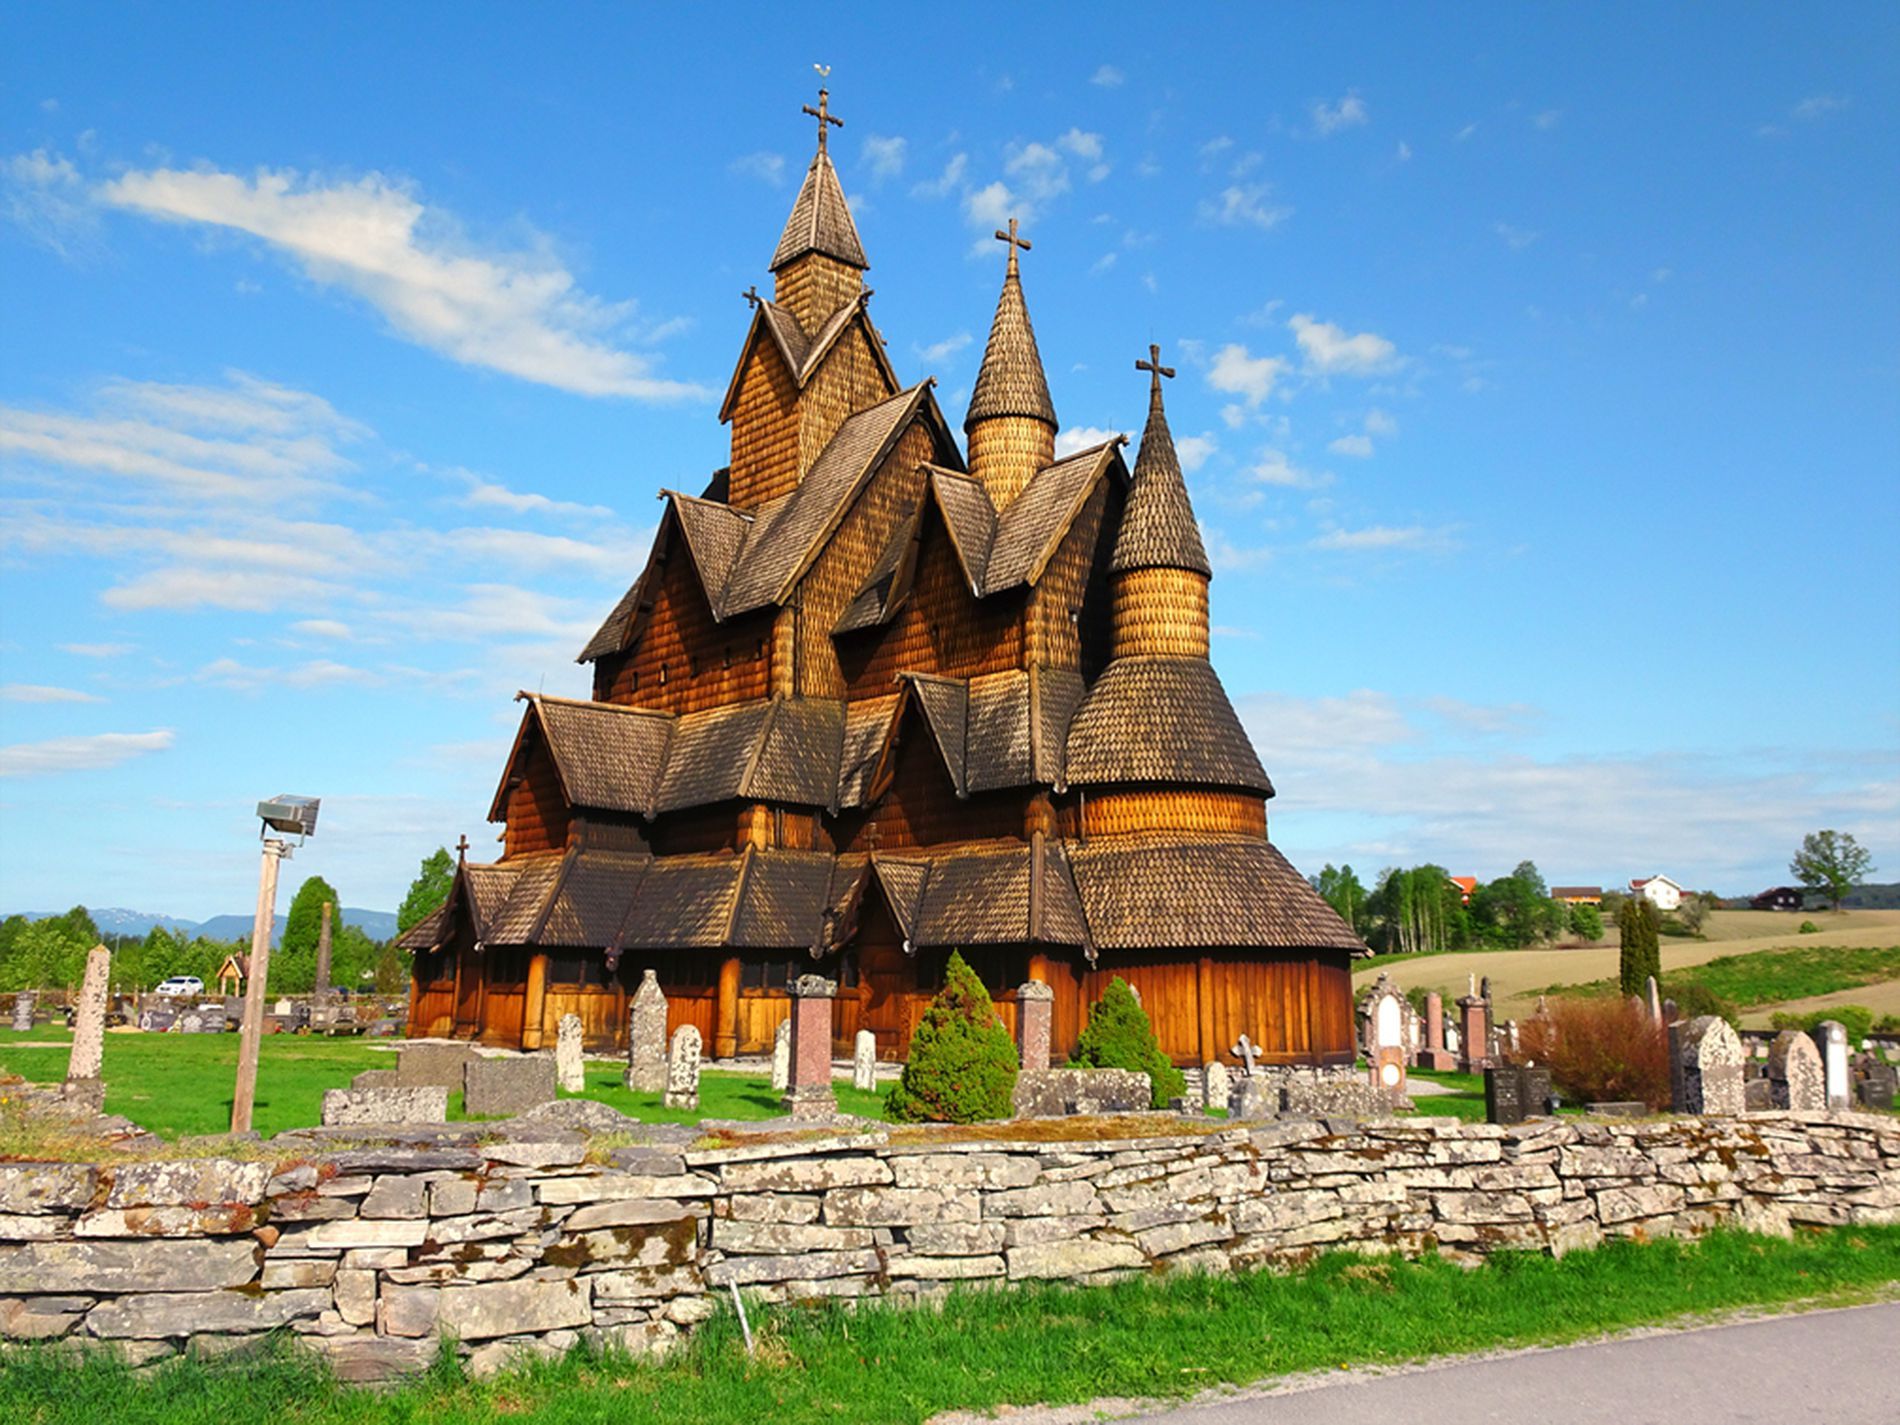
{"points": [[1841, 1366]]}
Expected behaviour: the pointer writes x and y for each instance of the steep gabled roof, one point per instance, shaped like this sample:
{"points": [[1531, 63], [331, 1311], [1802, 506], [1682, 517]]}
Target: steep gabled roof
{"points": [[1011, 381], [714, 534], [999, 895], [1161, 720], [802, 355], [590, 901], [1168, 890], [1028, 532], [608, 757], [616, 628], [995, 730], [1158, 529], [820, 220]]}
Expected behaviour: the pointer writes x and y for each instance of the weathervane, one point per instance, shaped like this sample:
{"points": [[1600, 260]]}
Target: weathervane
{"points": [[823, 112]]}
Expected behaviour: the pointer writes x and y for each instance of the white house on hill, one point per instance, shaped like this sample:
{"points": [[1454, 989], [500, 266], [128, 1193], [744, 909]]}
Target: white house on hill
{"points": [[1659, 891]]}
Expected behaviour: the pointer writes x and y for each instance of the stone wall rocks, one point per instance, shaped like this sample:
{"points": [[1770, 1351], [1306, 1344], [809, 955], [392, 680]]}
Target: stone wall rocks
{"points": [[369, 1254]]}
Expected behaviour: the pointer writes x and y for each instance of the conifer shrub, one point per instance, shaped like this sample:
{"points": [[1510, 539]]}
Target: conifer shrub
{"points": [[1119, 1036], [962, 1065], [1638, 923]]}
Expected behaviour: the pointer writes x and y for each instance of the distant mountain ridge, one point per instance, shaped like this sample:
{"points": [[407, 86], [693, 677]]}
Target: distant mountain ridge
{"points": [[115, 920]]}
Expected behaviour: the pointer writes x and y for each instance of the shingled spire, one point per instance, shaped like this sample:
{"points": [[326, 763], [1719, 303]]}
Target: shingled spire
{"points": [[819, 263], [1158, 573], [1011, 424]]}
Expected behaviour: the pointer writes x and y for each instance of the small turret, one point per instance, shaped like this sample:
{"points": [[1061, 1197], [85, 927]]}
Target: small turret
{"points": [[1011, 425], [820, 263], [1158, 573]]}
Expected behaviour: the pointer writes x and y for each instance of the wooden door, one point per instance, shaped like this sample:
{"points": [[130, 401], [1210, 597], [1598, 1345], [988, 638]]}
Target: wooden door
{"points": [[468, 992]]}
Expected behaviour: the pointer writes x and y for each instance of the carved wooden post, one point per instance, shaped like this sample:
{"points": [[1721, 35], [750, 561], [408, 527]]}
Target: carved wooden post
{"points": [[726, 1012], [1209, 1046], [534, 1007]]}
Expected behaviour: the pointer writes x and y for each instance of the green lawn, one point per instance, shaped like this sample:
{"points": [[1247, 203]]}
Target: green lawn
{"points": [[1774, 976], [1466, 1103], [1151, 1337], [178, 1084]]}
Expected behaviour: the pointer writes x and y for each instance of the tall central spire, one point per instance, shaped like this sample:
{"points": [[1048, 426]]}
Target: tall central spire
{"points": [[820, 262], [1158, 573], [1011, 423]]}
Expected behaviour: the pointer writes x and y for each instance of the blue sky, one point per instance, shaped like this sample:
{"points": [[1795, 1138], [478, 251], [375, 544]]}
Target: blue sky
{"points": [[1539, 384]]}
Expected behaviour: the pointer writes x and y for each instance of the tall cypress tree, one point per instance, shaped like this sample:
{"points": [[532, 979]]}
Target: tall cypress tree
{"points": [[1630, 958]]}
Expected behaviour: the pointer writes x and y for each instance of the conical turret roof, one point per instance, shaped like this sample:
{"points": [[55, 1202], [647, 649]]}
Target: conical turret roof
{"points": [[1011, 382], [1158, 529], [820, 220]]}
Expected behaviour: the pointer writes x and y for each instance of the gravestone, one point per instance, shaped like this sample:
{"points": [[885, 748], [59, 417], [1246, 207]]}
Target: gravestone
{"points": [[1504, 1099], [438, 1065], [190, 1022], [212, 1017], [808, 1093], [1875, 1085], [1436, 1054], [1537, 1094], [1473, 1033], [1796, 1079], [682, 1070], [1253, 1097], [23, 1011], [1035, 1012], [1830, 1037], [89, 1029], [1216, 1085], [1705, 1067], [782, 1056], [646, 1040], [1059, 1093], [864, 1062], [377, 1079], [505, 1086], [1655, 1001], [1385, 1034], [348, 1107], [569, 1070]]}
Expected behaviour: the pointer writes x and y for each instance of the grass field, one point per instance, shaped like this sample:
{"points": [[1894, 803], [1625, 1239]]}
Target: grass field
{"points": [[1769, 979], [1151, 1337], [1518, 975], [179, 1084]]}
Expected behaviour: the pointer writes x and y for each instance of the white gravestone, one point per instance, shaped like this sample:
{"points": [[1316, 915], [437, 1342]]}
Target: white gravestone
{"points": [[864, 1062], [568, 1068], [1216, 1085], [1830, 1037], [646, 1040], [782, 1056], [682, 1070]]}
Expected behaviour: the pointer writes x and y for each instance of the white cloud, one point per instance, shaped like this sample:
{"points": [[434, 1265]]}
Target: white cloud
{"points": [[330, 628], [1088, 148], [883, 155], [490, 494], [1359, 447], [1816, 106], [1331, 350], [1465, 133], [1380, 424], [242, 590], [43, 196], [1107, 77], [1237, 372], [1517, 239], [1348, 113], [1103, 263], [939, 352], [1548, 119], [1404, 152], [944, 183], [1075, 438], [1194, 450], [1381, 537], [76, 754], [317, 673], [989, 208], [765, 167], [42, 693], [1274, 468], [97, 650], [519, 313], [1212, 150], [1244, 204]]}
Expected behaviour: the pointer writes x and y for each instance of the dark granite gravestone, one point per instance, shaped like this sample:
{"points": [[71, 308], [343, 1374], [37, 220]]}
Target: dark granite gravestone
{"points": [[506, 1086], [1539, 1101], [1875, 1086], [1504, 1095]]}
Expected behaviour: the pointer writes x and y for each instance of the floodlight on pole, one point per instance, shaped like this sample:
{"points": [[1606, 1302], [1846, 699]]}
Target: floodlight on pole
{"points": [[292, 816]]}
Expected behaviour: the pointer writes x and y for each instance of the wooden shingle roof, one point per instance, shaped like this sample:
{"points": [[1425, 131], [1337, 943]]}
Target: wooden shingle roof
{"points": [[820, 220], [1158, 528], [1011, 380], [1161, 720]]}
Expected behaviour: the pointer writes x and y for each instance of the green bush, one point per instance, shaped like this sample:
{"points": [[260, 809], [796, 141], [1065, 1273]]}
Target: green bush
{"points": [[1887, 1024], [1808, 927], [962, 1066], [1856, 1019], [1695, 999], [1586, 922], [1119, 1036], [1640, 957]]}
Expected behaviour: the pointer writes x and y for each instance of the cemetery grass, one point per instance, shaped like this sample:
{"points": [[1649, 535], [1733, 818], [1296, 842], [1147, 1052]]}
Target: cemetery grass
{"points": [[1763, 978], [177, 1085], [1152, 1338]]}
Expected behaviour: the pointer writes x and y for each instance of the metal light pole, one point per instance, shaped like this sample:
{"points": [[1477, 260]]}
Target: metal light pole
{"points": [[289, 814]]}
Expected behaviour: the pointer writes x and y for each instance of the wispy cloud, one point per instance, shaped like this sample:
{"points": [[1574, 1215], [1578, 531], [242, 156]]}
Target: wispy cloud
{"points": [[521, 313], [884, 155], [1349, 112], [1358, 446], [1236, 371], [1386, 537], [1073, 438], [946, 182], [1330, 350], [78, 754], [96, 650], [939, 352], [43, 196], [1107, 76], [764, 166], [44, 693], [1817, 106], [1275, 468], [491, 494], [1517, 239], [1244, 205]]}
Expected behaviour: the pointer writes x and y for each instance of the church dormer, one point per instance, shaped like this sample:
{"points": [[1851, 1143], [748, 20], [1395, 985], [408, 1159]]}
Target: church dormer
{"points": [[1011, 426], [819, 264], [1158, 574]]}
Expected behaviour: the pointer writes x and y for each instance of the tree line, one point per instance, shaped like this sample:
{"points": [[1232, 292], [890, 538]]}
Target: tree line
{"points": [[1421, 908]]}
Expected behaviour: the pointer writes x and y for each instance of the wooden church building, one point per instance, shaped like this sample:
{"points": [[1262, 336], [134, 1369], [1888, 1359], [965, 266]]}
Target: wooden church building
{"points": [[878, 695]]}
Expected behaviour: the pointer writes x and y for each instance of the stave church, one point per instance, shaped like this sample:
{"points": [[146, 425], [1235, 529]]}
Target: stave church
{"points": [[879, 695]]}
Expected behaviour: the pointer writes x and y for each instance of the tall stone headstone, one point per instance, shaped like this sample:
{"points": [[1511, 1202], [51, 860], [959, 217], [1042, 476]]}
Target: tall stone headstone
{"points": [[682, 1070], [809, 1093], [23, 1011], [89, 1028], [1216, 1085], [864, 1062], [1436, 1054], [782, 1056], [1830, 1037], [1655, 1001], [1035, 1012], [569, 1068], [1796, 1078], [1474, 1026], [1385, 1025], [1705, 1067], [646, 1041]]}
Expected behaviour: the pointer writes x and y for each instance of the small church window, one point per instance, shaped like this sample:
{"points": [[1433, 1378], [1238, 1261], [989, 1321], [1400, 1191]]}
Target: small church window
{"points": [[662, 675]]}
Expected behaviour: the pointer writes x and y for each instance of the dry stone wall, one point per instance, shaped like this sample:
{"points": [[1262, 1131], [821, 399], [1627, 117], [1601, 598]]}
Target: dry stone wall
{"points": [[371, 1254]]}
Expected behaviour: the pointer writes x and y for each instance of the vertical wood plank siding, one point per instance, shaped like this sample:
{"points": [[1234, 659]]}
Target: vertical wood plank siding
{"points": [[707, 664], [764, 429], [537, 812]]}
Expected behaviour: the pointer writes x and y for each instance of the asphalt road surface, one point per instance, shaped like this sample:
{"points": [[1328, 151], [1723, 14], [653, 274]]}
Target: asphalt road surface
{"points": [[1840, 1366]]}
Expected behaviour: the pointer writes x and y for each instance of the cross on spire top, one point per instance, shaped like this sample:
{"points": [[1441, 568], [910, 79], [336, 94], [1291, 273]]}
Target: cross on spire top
{"points": [[1154, 367], [461, 848], [1014, 242], [751, 295], [824, 116]]}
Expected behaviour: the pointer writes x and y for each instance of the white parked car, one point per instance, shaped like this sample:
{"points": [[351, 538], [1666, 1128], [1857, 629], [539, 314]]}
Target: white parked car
{"points": [[181, 985]]}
